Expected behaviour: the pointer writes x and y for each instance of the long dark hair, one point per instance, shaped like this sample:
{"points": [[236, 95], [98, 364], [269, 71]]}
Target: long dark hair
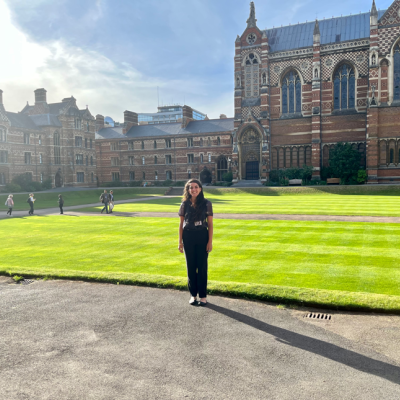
{"points": [[200, 200]]}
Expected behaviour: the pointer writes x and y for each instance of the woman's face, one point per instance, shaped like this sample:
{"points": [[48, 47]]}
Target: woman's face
{"points": [[194, 190]]}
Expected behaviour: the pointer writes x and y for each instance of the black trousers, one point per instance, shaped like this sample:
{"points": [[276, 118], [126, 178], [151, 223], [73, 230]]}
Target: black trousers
{"points": [[105, 208], [194, 244], [61, 210], [31, 210], [9, 210]]}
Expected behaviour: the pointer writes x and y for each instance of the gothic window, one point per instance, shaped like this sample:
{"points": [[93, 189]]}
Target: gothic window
{"points": [[3, 134], [142, 145], [201, 142], [291, 93], [57, 149], [251, 74], [155, 159], [391, 156], [91, 161], [396, 83], [155, 144], [344, 83]]}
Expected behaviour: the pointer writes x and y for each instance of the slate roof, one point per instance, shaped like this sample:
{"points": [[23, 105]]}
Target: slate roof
{"points": [[45, 120], [54, 108], [20, 120], [171, 129], [333, 30]]}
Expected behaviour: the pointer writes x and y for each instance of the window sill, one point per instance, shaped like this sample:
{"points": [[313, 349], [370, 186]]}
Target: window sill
{"points": [[348, 111], [291, 116]]}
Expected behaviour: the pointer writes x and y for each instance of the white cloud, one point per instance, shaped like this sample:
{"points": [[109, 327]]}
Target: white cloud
{"points": [[107, 87]]}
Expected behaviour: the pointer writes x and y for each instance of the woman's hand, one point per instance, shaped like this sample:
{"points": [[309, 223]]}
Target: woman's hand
{"points": [[209, 247], [180, 247]]}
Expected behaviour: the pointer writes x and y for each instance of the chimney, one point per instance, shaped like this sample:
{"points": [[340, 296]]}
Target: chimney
{"points": [[99, 122], [222, 116], [1, 101], [187, 116], [40, 96], [130, 119]]}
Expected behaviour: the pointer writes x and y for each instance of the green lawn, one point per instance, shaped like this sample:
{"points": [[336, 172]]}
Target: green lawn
{"points": [[310, 260], [73, 198], [248, 203]]}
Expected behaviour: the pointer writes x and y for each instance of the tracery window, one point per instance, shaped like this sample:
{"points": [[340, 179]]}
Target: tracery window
{"points": [[291, 93], [251, 75], [396, 75], [344, 83]]}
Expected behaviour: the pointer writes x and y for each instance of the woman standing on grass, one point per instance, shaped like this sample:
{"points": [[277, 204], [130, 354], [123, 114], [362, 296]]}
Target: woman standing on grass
{"points": [[31, 200], [10, 204], [195, 237], [61, 203]]}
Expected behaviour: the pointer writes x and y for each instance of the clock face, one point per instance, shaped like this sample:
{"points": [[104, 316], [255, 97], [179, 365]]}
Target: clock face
{"points": [[251, 38]]}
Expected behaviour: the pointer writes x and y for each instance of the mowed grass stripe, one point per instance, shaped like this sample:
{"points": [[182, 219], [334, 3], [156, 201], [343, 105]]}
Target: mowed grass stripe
{"points": [[244, 203], [309, 255]]}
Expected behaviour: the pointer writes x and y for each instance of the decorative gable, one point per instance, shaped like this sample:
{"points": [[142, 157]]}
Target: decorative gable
{"points": [[392, 15]]}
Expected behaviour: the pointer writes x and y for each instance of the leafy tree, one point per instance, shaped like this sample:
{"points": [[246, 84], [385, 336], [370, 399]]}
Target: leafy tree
{"points": [[345, 162], [307, 173]]}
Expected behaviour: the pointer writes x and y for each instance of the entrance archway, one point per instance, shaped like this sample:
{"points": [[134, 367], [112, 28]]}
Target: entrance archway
{"points": [[250, 154], [58, 180], [205, 176]]}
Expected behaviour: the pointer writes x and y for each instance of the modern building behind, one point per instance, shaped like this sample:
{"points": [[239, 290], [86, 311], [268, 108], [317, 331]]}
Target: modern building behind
{"points": [[168, 114]]}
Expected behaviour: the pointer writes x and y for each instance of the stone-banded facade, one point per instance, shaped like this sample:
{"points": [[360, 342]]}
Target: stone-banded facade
{"points": [[300, 89], [48, 140], [172, 151]]}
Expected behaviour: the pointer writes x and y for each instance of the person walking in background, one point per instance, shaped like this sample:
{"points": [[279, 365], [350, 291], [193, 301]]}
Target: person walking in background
{"points": [[10, 204], [195, 238], [104, 198], [111, 207], [31, 200], [61, 203]]}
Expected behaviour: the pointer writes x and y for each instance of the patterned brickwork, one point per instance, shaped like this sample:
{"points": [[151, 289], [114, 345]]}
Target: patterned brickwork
{"points": [[387, 37], [329, 62], [301, 65], [392, 15]]}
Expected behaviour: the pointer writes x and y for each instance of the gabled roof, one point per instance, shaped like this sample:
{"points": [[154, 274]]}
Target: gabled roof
{"points": [[110, 133], [333, 30], [45, 120], [20, 120], [55, 108]]}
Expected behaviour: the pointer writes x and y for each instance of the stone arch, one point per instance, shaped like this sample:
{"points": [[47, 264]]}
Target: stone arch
{"points": [[291, 94], [58, 179], [222, 167], [250, 142]]}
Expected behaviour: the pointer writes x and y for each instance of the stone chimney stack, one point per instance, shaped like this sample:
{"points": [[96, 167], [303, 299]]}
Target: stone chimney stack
{"points": [[187, 116], [40, 96], [99, 122], [130, 119], [222, 116]]}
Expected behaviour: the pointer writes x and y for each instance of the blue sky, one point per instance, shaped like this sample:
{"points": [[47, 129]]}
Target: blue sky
{"points": [[112, 54]]}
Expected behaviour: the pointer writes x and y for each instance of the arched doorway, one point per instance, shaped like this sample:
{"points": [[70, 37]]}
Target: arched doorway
{"points": [[249, 154], [222, 168], [58, 180], [205, 176]]}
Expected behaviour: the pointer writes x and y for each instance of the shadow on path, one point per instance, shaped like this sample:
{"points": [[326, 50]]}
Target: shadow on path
{"points": [[347, 357]]}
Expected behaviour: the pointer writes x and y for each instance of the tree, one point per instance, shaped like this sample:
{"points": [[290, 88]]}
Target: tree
{"points": [[344, 161]]}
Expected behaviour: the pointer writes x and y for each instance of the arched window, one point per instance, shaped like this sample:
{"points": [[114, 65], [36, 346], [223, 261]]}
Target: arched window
{"points": [[57, 149], [291, 93], [142, 145], [201, 158], [251, 75], [155, 159], [222, 168], [218, 141], [396, 75], [344, 83], [3, 134], [391, 156]]}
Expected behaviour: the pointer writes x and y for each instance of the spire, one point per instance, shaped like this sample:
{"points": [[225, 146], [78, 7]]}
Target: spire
{"points": [[316, 34], [251, 22], [373, 17]]}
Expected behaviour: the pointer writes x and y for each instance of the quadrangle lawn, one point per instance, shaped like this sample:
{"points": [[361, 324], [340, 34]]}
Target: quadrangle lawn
{"points": [[246, 203], [353, 257]]}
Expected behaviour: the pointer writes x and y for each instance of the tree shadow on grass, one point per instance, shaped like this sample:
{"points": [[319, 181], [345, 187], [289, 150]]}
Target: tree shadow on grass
{"points": [[324, 349]]}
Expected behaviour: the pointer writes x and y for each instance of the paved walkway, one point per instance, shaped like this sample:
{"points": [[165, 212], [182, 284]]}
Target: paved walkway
{"points": [[76, 340]]}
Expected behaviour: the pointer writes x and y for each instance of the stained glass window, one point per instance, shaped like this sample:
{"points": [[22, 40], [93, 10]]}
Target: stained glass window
{"points": [[396, 83], [291, 93], [344, 87]]}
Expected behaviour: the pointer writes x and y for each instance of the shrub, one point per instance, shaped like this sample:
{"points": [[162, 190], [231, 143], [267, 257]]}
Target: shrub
{"points": [[274, 176], [180, 183], [13, 188], [135, 183], [326, 173], [345, 162], [293, 173], [227, 177], [362, 176], [167, 182], [46, 184], [307, 171]]}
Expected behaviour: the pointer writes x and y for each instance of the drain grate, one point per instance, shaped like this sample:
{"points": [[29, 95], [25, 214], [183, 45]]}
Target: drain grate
{"points": [[26, 281], [324, 317]]}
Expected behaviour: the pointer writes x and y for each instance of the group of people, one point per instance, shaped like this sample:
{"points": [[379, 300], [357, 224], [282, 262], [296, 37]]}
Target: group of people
{"points": [[108, 200], [31, 201]]}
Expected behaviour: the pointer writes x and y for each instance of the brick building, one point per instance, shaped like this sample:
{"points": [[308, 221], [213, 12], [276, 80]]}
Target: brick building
{"points": [[53, 141], [173, 151], [300, 89]]}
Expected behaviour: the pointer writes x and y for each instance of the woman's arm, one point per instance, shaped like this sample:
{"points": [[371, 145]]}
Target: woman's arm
{"points": [[180, 244], [210, 233]]}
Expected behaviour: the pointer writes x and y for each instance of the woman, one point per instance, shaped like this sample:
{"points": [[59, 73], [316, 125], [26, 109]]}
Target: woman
{"points": [[61, 203], [195, 237], [10, 204], [31, 201]]}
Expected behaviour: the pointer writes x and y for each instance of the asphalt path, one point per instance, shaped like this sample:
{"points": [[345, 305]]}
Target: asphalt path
{"points": [[77, 340]]}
